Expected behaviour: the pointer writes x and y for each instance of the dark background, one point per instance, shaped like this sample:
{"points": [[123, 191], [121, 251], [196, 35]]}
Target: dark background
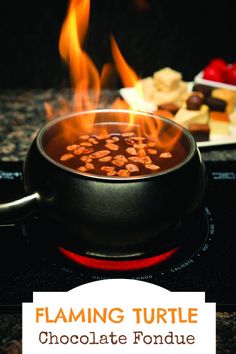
{"points": [[181, 34]]}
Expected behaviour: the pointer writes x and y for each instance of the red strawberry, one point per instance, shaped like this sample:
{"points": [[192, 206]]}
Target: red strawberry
{"points": [[211, 73], [230, 75], [219, 64]]}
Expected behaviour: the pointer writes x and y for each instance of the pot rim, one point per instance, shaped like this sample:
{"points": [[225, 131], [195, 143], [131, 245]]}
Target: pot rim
{"points": [[192, 150]]}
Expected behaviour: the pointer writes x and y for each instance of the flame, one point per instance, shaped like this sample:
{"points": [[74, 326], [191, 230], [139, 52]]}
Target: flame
{"points": [[127, 74], [50, 112], [120, 104], [146, 127], [64, 108], [87, 82], [84, 74], [108, 76]]}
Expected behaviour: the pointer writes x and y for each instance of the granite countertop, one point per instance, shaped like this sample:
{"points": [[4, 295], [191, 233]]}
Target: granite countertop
{"points": [[22, 113]]}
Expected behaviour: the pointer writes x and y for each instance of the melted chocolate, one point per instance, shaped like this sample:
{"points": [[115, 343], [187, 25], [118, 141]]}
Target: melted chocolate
{"points": [[172, 157]]}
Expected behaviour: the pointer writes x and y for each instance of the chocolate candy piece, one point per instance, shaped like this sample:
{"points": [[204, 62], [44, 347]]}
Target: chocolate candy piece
{"points": [[194, 102], [200, 132], [220, 116], [216, 104], [172, 107], [204, 89]]}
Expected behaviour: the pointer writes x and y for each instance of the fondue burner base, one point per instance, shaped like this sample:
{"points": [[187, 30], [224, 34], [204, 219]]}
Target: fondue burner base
{"points": [[193, 239], [117, 265], [29, 262]]}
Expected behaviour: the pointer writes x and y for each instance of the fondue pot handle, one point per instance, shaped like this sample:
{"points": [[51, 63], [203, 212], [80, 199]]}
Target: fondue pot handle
{"points": [[19, 208]]}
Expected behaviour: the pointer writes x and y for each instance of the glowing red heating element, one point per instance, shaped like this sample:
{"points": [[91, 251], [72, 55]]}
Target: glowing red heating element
{"points": [[117, 265]]}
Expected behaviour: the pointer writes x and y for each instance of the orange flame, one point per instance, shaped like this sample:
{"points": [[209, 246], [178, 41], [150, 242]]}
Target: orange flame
{"points": [[127, 74], [49, 110], [148, 127], [108, 76], [84, 74], [87, 82]]}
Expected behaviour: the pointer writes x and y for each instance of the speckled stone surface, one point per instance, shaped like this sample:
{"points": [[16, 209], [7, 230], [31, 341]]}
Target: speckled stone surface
{"points": [[22, 113]]}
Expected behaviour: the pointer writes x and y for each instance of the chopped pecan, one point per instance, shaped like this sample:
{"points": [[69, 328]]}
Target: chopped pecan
{"points": [[86, 144], [152, 151], [111, 173], [105, 159], [123, 173], [85, 158], [72, 147], [165, 155], [79, 150], [120, 157], [141, 152], [99, 154], [89, 166], [66, 157], [131, 151], [88, 151], [134, 158], [107, 168], [132, 168], [112, 147], [145, 159], [140, 146], [93, 141], [82, 169], [118, 162], [151, 166]]}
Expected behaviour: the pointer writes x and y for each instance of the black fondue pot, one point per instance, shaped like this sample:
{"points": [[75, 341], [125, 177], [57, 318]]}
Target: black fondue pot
{"points": [[109, 216]]}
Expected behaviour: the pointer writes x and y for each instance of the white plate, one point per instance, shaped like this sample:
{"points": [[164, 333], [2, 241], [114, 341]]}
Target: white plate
{"points": [[199, 80]]}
